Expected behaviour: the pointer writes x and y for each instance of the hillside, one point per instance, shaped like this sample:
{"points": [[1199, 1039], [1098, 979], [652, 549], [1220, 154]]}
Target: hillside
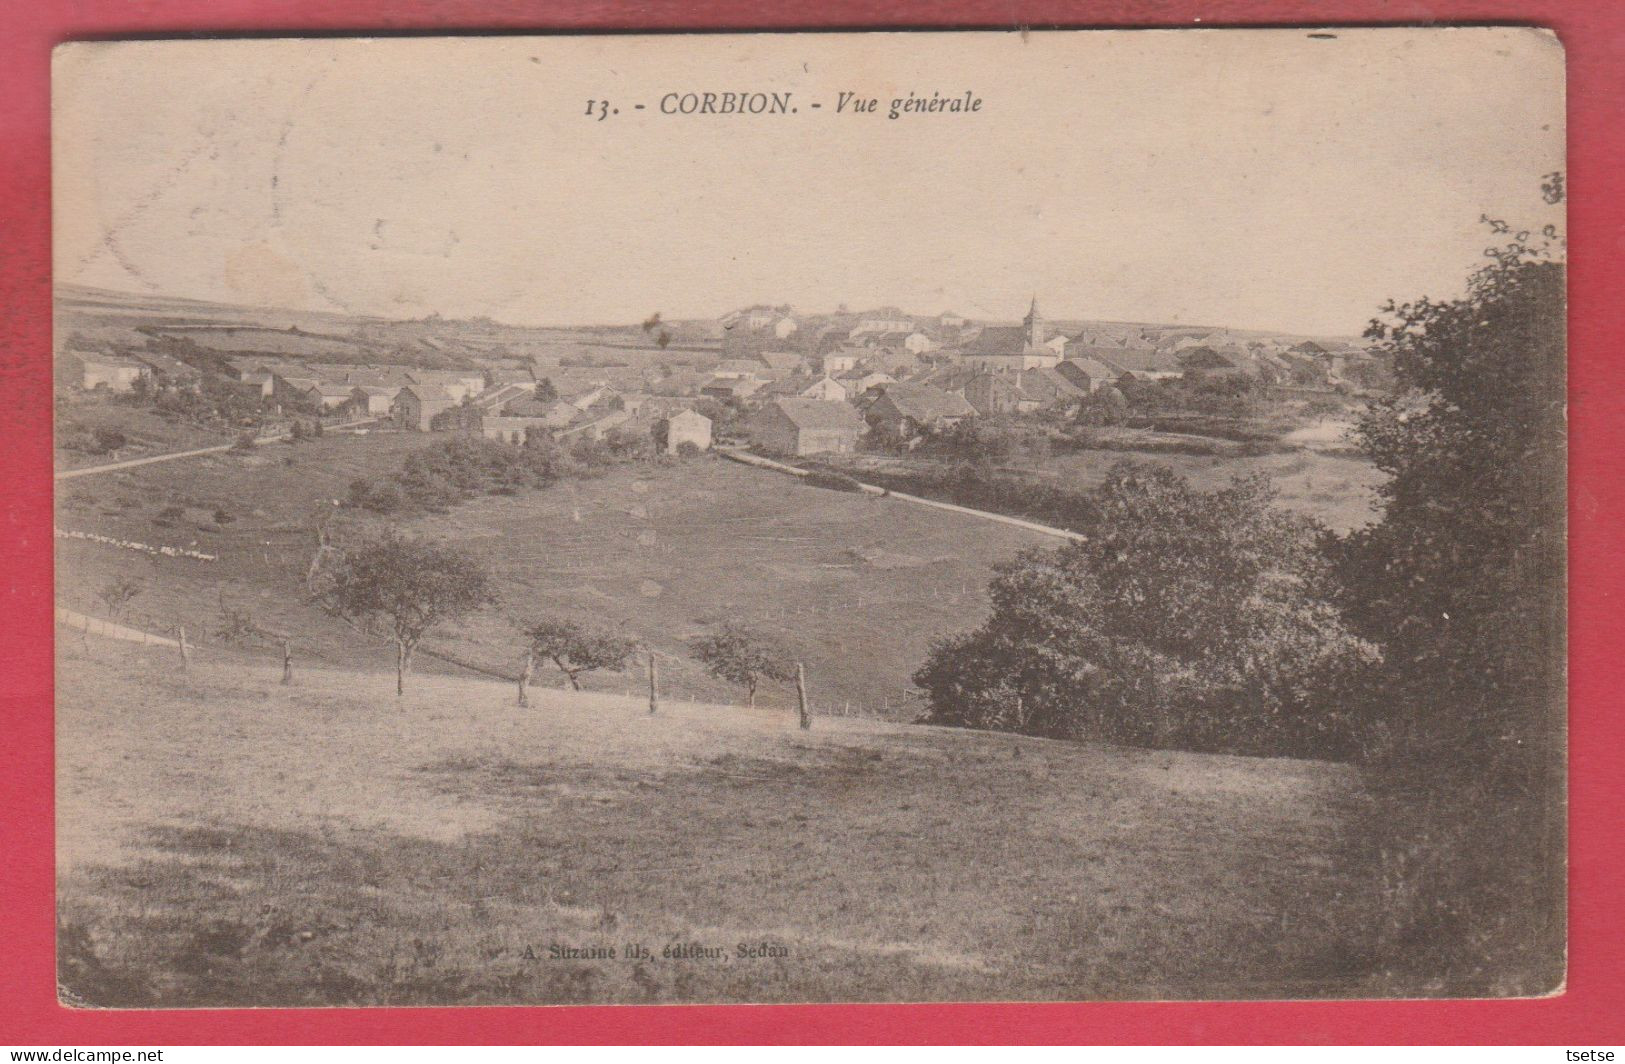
{"points": [[225, 840], [858, 587]]}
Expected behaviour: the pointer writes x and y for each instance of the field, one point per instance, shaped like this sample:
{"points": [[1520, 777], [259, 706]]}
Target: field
{"points": [[1335, 488], [145, 432], [857, 587], [224, 840]]}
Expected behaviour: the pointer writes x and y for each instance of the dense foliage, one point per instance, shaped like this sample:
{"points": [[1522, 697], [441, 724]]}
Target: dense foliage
{"points": [[1186, 619], [1462, 578]]}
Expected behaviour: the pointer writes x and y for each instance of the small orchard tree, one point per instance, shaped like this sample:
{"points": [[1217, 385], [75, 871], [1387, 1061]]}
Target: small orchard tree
{"points": [[578, 648], [740, 656], [411, 585], [118, 592]]}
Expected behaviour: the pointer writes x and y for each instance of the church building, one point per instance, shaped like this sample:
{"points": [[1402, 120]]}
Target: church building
{"points": [[1012, 348]]}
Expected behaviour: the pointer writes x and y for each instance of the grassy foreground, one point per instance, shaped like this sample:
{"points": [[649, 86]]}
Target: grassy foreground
{"points": [[224, 840]]}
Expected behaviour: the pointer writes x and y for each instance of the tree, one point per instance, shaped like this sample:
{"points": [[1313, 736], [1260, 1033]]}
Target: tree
{"points": [[297, 433], [740, 656], [118, 592], [578, 648], [1462, 578], [411, 585], [1186, 619]]}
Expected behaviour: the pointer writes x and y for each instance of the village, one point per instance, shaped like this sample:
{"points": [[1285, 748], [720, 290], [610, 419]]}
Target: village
{"points": [[763, 376]]}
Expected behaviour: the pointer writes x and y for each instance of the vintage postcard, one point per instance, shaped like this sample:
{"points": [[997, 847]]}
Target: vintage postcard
{"points": [[810, 517]]}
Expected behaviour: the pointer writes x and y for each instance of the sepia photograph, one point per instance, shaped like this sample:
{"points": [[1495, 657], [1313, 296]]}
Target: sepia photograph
{"points": [[1070, 515]]}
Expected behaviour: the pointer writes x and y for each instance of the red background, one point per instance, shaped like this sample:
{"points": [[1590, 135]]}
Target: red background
{"points": [[1592, 1011]]}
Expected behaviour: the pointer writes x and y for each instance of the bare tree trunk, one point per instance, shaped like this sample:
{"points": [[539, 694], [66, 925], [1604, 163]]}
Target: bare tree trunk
{"points": [[801, 697], [654, 688], [751, 691], [186, 651], [525, 675], [400, 668], [287, 663]]}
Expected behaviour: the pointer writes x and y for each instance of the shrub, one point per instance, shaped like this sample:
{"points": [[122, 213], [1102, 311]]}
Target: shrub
{"points": [[833, 481], [107, 440], [1186, 619]]}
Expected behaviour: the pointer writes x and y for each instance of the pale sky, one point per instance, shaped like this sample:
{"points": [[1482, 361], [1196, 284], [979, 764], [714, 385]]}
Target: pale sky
{"points": [[1257, 179]]}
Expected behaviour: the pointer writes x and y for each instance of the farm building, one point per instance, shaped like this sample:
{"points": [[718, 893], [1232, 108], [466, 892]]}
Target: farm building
{"points": [[114, 372], [777, 364], [459, 384], [689, 426], [1087, 373], [999, 393], [806, 426], [731, 387], [1147, 365], [522, 376], [512, 429], [171, 372], [903, 411], [292, 387], [551, 413], [328, 396], [373, 400], [840, 361], [416, 405]]}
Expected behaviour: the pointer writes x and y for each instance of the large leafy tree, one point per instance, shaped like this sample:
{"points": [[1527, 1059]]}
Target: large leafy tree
{"points": [[1462, 577], [411, 585], [1462, 581], [1186, 619]]}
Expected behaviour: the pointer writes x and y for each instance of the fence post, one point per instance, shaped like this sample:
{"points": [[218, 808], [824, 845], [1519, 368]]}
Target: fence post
{"points": [[287, 663], [801, 696], [654, 689], [186, 651], [525, 675]]}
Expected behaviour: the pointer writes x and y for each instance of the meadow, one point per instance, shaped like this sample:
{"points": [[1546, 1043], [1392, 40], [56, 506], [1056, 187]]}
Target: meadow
{"points": [[856, 587], [228, 841]]}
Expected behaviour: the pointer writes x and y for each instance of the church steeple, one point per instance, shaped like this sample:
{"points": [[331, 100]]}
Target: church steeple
{"points": [[1034, 323]]}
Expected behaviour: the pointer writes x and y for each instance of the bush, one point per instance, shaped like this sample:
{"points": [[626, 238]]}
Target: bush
{"points": [[466, 466], [106, 440], [832, 481], [169, 515], [689, 449], [245, 443], [224, 517], [1187, 619]]}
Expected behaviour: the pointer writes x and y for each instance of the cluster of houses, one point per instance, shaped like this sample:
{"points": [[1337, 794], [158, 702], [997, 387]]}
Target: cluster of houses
{"points": [[797, 385], [501, 403], [890, 377]]}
